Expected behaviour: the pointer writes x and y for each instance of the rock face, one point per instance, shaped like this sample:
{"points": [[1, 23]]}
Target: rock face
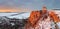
{"points": [[34, 17], [41, 19]]}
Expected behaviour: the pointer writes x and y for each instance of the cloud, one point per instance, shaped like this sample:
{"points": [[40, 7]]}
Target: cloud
{"points": [[31, 4]]}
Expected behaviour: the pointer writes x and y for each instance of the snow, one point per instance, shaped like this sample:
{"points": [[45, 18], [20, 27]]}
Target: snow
{"points": [[7, 14], [58, 24], [19, 16]]}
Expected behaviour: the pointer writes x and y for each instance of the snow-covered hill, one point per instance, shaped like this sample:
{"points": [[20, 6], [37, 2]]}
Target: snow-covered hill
{"points": [[22, 15]]}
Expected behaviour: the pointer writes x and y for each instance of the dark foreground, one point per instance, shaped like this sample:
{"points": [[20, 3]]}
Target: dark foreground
{"points": [[12, 23]]}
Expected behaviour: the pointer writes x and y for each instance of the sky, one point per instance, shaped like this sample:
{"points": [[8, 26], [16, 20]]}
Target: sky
{"points": [[29, 4]]}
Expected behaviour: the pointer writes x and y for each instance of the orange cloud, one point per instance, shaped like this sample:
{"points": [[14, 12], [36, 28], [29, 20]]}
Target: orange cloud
{"points": [[8, 10]]}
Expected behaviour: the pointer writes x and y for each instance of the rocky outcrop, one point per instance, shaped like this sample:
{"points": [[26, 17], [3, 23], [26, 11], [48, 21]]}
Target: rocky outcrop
{"points": [[36, 17]]}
